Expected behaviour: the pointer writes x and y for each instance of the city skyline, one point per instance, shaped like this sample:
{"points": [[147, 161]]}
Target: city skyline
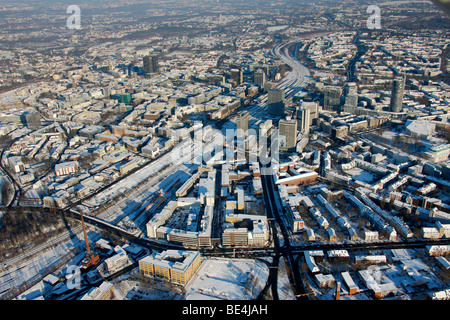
{"points": [[224, 150]]}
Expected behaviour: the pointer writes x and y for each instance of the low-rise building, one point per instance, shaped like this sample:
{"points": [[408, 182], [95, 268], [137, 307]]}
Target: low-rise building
{"points": [[104, 292], [374, 283], [176, 266], [64, 168], [117, 261]]}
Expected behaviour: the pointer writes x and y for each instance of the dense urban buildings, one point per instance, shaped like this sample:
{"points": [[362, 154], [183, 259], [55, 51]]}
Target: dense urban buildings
{"points": [[224, 150]]}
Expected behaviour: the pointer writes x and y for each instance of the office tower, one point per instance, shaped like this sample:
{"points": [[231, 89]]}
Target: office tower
{"points": [[217, 80], [242, 121], [313, 108], [350, 88], [236, 76], [287, 134], [303, 119], [147, 64], [275, 102], [150, 64], [155, 65], [351, 102], [398, 85], [332, 99], [259, 78]]}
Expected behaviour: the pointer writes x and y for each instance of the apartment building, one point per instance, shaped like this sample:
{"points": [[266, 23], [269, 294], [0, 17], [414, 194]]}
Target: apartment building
{"points": [[176, 266]]}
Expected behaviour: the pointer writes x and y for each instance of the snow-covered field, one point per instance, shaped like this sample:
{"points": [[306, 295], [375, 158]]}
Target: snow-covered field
{"points": [[227, 279], [216, 279], [361, 175], [29, 270], [128, 288], [283, 285]]}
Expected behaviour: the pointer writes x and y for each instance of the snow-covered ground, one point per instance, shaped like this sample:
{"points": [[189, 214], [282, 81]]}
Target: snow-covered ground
{"points": [[361, 175], [227, 279], [128, 288], [30, 270], [26, 270], [283, 285], [277, 28], [216, 279]]}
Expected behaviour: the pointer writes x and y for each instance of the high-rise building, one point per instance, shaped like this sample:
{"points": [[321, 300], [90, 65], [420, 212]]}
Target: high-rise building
{"points": [[313, 108], [398, 86], [236, 76], [332, 99], [242, 123], [303, 119], [259, 78], [351, 102], [275, 102], [287, 134], [150, 64], [350, 88]]}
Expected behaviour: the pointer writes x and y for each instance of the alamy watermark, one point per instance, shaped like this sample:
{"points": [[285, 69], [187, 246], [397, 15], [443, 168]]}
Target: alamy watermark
{"points": [[73, 277], [376, 273], [374, 20], [235, 145], [74, 20]]}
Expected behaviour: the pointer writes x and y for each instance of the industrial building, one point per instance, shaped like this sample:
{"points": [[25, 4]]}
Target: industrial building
{"points": [[311, 263], [348, 280], [380, 285]]}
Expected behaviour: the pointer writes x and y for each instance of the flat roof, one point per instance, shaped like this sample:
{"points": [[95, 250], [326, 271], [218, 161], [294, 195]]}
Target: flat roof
{"points": [[297, 177], [172, 259]]}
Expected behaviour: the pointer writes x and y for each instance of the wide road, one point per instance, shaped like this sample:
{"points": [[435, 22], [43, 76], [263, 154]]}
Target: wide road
{"points": [[274, 212]]}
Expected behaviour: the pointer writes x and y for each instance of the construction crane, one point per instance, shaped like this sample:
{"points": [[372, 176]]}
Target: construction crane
{"points": [[91, 259]]}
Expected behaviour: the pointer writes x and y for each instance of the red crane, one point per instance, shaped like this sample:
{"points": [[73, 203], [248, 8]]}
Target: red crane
{"points": [[91, 259]]}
